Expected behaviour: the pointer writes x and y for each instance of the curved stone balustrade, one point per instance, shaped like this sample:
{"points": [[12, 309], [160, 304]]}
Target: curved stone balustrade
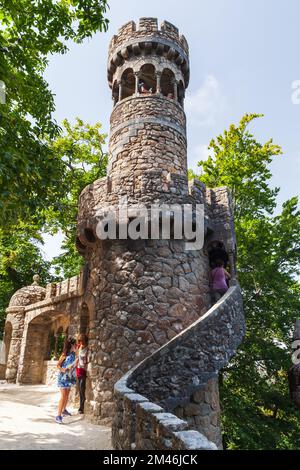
{"points": [[147, 396]]}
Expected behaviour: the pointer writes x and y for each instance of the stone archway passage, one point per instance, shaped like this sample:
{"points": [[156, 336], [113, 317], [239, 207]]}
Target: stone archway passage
{"points": [[35, 346]]}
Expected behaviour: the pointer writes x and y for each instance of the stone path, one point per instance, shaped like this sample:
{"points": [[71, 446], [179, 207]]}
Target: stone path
{"points": [[27, 422]]}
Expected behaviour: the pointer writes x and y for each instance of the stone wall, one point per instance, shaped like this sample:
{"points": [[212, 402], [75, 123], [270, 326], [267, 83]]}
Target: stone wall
{"points": [[147, 132], [146, 26], [142, 425], [50, 373], [144, 294], [15, 317], [31, 367], [181, 376], [2, 371]]}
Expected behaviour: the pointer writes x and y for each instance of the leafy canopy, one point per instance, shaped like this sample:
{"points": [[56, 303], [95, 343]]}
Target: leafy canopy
{"points": [[30, 30], [257, 410]]}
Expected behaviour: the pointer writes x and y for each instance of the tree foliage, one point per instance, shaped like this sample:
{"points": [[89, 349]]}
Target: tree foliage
{"points": [[257, 410], [20, 258], [31, 30], [80, 149]]}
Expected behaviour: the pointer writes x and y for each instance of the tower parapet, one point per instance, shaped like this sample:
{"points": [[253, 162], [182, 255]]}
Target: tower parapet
{"points": [[132, 40]]}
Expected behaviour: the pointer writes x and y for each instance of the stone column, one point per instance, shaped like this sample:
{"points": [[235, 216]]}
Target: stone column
{"points": [[158, 84], [16, 317], [120, 83], [137, 77], [203, 413], [174, 83]]}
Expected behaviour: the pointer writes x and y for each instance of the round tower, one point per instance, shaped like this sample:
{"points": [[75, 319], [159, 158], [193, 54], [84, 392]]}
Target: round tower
{"points": [[148, 72], [140, 293]]}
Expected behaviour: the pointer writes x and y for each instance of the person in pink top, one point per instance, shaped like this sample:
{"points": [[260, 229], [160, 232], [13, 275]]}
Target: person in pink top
{"points": [[218, 280]]}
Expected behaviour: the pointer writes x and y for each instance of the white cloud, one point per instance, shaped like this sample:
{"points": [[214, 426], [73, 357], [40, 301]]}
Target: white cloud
{"points": [[207, 104]]}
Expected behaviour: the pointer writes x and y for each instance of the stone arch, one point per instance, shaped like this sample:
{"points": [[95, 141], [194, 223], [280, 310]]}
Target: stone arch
{"points": [[167, 82], [36, 344], [180, 93], [115, 92], [147, 75], [128, 83], [217, 250], [136, 65]]}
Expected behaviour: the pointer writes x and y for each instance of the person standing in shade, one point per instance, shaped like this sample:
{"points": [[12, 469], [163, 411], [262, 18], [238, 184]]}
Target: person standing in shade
{"points": [[219, 279], [81, 368]]}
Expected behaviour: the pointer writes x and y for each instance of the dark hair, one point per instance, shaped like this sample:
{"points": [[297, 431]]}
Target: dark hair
{"points": [[219, 263], [68, 343], [83, 338]]}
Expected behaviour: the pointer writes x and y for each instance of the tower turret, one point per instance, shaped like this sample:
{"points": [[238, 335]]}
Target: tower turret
{"points": [[148, 72]]}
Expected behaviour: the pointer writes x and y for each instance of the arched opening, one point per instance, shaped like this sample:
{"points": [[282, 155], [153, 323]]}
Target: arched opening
{"points": [[167, 83], [44, 344], [128, 84], [147, 80], [57, 339], [217, 251], [115, 92], [89, 235], [180, 93]]}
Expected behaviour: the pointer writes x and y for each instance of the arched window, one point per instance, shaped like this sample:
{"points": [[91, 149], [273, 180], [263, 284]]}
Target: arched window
{"points": [[167, 83], [217, 251], [147, 80], [180, 93], [128, 84], [115, 92]]}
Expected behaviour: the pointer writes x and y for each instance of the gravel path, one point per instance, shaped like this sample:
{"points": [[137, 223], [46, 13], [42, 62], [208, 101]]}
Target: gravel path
{"points": [[27, 422]]}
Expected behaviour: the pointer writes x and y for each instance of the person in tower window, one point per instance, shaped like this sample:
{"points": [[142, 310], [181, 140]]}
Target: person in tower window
{"points": [[219, 279], [144, 90], [81, 369]]}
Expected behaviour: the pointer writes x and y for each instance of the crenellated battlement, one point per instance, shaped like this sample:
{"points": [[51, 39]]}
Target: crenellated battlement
{"points": [[145, 26], [147, 40]]}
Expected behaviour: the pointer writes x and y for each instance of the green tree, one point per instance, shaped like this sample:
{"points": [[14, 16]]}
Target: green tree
{"points": [[80, 149], [20, 259], [257, 410], [30, 175]]}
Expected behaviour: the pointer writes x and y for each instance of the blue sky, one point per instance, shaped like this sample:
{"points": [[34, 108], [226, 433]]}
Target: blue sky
{"points": [[244, 57]]}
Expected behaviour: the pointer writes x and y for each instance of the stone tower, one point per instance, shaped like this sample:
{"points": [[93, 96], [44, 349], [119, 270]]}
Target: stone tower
{"points": [[142, 293], [142, 302]]}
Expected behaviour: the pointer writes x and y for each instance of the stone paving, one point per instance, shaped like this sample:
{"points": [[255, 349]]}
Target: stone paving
{"points": [[27, 422]]}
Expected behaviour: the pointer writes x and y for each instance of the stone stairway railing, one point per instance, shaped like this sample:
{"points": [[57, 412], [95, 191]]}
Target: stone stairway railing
{"points": [[148, 394]]}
